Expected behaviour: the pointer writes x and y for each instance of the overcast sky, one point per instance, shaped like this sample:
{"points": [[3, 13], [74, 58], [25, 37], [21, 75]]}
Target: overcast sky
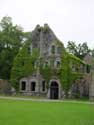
{"points": [[69, 19]]}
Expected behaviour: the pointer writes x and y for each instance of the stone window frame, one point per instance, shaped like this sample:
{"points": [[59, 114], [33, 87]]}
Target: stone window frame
{"points": [[82, 68], [55, 63], [30, 49], [25, 85], [46, 63], [36, 64], [31, 86], [58, 66], [73, 68], [58, 50], [42, 86], [53, 51]]}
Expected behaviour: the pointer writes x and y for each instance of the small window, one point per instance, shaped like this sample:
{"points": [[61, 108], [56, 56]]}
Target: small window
{"points": [[82, 68], [36, 64], [58, 64], [73, 68], [29, 50], [88, 69], [58, 50], [46, 64], [23, 85], [33, 85], [53, 49], [43, 86]]}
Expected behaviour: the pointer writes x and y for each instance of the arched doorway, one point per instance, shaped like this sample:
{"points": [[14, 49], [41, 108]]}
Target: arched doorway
{"points": [[54, 90]]}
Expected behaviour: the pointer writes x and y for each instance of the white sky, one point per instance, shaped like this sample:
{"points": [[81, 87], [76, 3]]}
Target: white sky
{"points": [[69, 19]]}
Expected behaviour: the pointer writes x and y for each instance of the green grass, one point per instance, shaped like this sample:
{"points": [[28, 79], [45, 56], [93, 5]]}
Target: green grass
{"points": [[40, 97], [23, 96], [45, 113]]}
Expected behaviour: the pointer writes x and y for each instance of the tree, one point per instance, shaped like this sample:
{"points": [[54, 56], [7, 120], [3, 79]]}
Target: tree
{"points": [[11, 37], [92, 52], [79, 50], [65, 73]]}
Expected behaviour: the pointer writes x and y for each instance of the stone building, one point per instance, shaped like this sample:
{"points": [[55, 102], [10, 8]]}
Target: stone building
{"points": [[90, 60], [49, 46]]}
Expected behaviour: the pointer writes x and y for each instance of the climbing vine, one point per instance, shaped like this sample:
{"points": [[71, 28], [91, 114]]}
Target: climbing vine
{"points": [[67, 75], [23, 64]]}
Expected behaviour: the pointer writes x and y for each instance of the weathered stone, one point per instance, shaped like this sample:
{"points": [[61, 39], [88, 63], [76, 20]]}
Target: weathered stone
{"points": [[45, 40]]}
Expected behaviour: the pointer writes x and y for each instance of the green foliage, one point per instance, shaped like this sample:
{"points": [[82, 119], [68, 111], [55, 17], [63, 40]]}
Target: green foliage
{"points": [[11, 38], [88, 67], [10, 41], [6, 58], [79, 50], [65, 72], [53, 49], [67, 75], [23, 64], [47, 73]]}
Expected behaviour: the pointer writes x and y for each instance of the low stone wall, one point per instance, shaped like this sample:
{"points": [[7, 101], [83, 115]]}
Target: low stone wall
{"points": [[35, 94], [5, 87]]}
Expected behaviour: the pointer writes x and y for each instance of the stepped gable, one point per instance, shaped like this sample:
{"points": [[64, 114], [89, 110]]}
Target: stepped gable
{"points": [[42, 35]]}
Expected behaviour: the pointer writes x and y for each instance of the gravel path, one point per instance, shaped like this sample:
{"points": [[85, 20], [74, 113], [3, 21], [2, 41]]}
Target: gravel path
{"points": [[45, 100]]}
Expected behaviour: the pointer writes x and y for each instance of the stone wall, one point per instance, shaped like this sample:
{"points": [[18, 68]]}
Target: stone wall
{"points": [[91, 87], [5, 87], [38, 86]]}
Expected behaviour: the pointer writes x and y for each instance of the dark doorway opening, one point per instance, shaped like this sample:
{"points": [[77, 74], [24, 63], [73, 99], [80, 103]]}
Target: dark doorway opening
{"points": [[54, 90], [23, 86], [33, 85], [43, 86]]}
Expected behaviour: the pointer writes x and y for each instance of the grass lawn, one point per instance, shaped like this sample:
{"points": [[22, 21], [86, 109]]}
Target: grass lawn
{"points": [[14, 112]]}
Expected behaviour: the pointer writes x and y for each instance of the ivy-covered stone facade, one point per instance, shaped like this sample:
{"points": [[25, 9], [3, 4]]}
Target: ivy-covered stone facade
{"points": [[44, 68]]}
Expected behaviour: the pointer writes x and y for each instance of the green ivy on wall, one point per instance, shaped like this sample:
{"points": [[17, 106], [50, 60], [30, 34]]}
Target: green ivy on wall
{"points": [[23, 65], [24, 62], [67, 75]]}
